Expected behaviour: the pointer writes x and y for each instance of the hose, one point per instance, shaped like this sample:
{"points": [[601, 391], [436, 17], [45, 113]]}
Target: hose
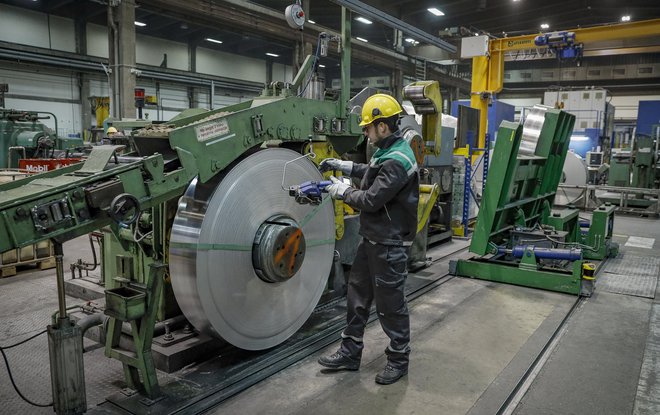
{"points": [[11, 377]]}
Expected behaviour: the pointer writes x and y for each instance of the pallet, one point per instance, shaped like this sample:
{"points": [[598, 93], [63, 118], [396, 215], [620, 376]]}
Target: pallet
{"points": [[40, 254]]}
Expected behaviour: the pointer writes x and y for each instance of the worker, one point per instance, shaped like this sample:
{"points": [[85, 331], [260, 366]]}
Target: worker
{"points": [[111, 131], [387, 199]]}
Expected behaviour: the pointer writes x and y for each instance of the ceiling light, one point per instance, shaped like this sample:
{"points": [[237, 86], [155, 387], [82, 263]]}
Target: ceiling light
{"points": [[274, 55], [625, 18], [311, 21], [362, 39], [208, 39], [545, 26], [363, 20], [321, 66], [410, 40], [140, 24], [436, 11]]}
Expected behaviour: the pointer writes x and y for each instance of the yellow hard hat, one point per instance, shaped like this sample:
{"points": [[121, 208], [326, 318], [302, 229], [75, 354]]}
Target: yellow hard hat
{"points": [[379, 106], [111, 130]]}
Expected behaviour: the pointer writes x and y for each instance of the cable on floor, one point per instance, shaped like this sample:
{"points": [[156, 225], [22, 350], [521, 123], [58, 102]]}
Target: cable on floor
{"points": [[11, 378]]}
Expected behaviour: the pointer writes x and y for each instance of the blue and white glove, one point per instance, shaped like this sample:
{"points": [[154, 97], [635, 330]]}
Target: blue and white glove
{"points": [[335, 164], [337, 188]]}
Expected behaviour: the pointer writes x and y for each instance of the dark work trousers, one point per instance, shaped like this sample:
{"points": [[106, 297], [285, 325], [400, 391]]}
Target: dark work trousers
{"points": [[378, 273]]}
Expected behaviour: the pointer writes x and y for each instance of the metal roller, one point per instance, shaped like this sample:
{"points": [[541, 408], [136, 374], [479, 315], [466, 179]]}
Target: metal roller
{"points": [[414, 92], [532, 129], [425, 109], [248, 264]]}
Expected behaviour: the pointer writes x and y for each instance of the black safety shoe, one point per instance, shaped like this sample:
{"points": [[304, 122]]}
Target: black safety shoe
{"points": [[390, 375], [338, 361]]}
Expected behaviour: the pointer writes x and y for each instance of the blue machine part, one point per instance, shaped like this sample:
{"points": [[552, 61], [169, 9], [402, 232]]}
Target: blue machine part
{"points": [[563, 43], [584, 140], [309, 192], [647, 115], [572, 254], [497, 112]]}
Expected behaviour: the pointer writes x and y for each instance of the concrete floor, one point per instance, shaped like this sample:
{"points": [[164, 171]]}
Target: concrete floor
{"points": [[472, 340]]}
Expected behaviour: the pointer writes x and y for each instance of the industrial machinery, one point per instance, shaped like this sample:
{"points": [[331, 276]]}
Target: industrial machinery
{"points": [[634, 175], [518, 238], [489, 55], [435, 155], [23, 136], [201, 222]]}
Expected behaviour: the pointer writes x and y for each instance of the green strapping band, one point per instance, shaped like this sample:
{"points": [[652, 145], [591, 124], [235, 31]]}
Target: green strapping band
{"points": [[211, 247], [314, 211], [231, 247]]}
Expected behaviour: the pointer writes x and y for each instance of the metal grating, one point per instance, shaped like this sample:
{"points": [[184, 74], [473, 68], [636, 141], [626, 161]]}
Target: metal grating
{"points": [[26, 304], [630, 275], [647, 400]]}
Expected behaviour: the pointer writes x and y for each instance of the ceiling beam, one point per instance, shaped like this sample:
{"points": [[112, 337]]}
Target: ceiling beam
{"points": [[390, 21]]}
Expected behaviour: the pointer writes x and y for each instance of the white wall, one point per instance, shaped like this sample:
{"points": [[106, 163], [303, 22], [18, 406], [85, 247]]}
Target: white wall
{"points": [[282, 72], [36, 29], [45, 87], [27, 27], [626, 106], [149, 51], [97, 40], [218, 63]]}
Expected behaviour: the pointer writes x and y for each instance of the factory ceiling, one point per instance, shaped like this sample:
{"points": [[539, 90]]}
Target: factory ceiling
{"points": [[247, 31]]}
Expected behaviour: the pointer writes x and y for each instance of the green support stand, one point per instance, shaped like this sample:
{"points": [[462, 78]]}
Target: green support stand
{"points": [[139, 307], [599, 235], [527, 273], [518, 195]]}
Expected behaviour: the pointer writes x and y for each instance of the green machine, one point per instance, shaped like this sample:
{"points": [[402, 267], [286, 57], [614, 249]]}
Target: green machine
{"points": [[201, 222], [518, 238], [636, 168], [22, 135]]}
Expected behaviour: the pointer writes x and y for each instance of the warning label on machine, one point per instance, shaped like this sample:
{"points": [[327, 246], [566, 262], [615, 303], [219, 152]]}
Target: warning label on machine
{"points": [[211, 130]]}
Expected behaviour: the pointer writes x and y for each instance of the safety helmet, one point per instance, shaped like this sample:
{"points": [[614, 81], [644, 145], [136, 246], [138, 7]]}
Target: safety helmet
{"points": [[111, 130], [379, 106]]}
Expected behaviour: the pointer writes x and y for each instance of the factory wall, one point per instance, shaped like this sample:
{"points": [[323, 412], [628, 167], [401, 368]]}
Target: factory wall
{"points": [[36, 29], [625, 105], [58, 91], [42, 90]]}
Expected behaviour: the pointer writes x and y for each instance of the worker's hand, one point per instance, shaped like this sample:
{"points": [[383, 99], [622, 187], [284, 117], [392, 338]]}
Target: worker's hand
{"points": [[335, 164], [337, 188]]}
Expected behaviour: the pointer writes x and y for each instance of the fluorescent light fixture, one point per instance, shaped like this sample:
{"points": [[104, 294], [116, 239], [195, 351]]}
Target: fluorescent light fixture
{"points": [[362, 39], [435, 11], [579, 138], [410, 40], [363, 20], [545, 26], [311, 21], [274, 55], [140, 24], [321, 66], [625, 18], [208, 39]]}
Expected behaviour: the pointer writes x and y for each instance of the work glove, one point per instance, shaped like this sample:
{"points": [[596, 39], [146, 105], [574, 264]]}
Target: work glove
{"points": [[335, 164], [337, 188]]}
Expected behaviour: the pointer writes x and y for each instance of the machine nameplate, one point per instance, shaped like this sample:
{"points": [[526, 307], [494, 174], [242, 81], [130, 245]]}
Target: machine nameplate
{"points": [[212, 129]]}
